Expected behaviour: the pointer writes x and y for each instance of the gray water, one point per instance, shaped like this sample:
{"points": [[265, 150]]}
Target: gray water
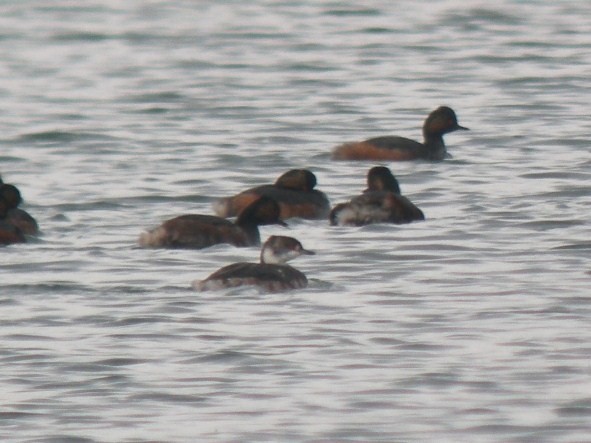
{"points": [[472, 326]]}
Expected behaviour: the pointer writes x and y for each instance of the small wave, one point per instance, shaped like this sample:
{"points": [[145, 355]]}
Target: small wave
{"points": [[58, 136], [81, 37]]}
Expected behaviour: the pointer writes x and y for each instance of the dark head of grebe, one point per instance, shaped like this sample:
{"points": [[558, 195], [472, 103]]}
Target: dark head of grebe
{"points": [[297, 180], [11, 195], [379, 178]]}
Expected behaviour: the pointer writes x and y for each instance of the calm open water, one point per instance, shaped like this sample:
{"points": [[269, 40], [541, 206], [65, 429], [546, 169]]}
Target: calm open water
{"points": [[472, 326]]}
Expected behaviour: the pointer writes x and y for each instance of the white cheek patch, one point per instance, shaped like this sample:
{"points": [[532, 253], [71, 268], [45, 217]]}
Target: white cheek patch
{"points": [[345, 215], [270, 257]]}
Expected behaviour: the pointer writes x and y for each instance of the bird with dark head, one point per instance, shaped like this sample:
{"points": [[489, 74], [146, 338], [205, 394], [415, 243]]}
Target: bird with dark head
{"points": [[441, 121], [197, 231]]}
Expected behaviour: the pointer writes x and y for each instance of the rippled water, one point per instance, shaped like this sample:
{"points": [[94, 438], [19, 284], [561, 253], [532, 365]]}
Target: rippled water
{"points": [[471, 326]]}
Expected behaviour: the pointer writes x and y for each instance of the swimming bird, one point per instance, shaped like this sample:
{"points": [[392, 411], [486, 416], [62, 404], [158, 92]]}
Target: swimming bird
{"points": [[197, 231], [441, 121], [293, 190], [381, 202], [271, 274], [15, 215]]}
